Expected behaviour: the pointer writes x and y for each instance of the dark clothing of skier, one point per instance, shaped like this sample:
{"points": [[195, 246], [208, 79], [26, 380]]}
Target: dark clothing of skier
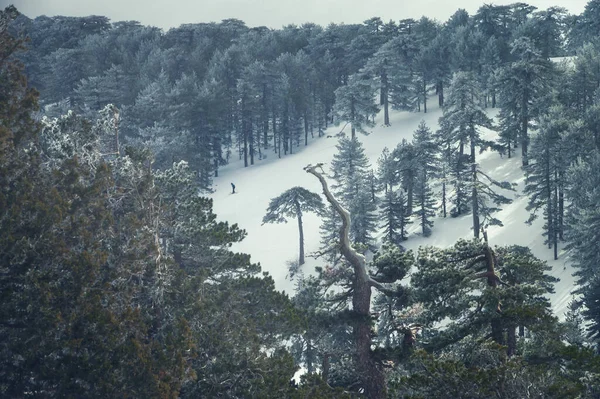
{"points": [[232, 188]]}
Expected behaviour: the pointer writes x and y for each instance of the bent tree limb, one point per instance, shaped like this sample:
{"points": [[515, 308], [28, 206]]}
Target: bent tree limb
{"points": [[371, 375]]}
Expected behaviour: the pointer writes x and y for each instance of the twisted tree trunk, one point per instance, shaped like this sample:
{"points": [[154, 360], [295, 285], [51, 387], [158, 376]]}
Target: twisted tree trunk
{"points": [[370, 374]]}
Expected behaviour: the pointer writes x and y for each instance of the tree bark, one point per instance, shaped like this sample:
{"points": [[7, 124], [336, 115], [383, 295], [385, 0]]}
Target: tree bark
{"points": [[385, 99], [444, 198], [424, 96], [371, 376], [475, 203], [524, 128], [492, 280], [301, 232]]}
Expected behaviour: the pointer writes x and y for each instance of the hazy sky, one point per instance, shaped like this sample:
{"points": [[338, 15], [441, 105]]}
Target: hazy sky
{"points": [[272, 13]]}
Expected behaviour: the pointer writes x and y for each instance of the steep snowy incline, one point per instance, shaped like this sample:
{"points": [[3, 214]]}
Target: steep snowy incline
{"points": [[273, 245]]}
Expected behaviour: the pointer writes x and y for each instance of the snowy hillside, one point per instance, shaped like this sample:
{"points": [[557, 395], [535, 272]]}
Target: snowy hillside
{"points": [[275, 244]]}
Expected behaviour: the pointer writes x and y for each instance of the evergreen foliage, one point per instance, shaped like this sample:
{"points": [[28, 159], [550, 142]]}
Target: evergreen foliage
{"points": [[523, 85], [350, 168], [294, 203], [546, 175], [118, 280]]}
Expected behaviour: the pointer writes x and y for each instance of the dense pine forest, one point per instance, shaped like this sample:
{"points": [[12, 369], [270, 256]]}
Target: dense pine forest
{"points": [[117, 278]]}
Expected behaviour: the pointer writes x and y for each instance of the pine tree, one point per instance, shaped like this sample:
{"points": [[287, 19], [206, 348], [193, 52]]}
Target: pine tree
{"points": [[386, 171], [394, 216], [406, 165], [354, 104], [350, 168], [427, 169], [293, 203], [355, 282], [583, 219], [522, 87], [483, 292], [545, 182], [461, 126], [425, 205]]}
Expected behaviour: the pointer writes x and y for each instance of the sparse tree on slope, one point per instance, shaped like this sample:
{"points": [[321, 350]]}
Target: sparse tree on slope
{"points": [[294, 203]]}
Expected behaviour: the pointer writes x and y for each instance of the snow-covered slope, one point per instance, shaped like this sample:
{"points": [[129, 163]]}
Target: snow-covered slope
{"points": [[273, 245]]}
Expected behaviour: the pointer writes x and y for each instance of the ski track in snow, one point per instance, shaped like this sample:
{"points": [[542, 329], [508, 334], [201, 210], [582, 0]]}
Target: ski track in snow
{"points": [[273, 245]]}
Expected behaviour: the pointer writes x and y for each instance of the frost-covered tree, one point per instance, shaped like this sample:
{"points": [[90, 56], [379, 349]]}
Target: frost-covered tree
{"points": [[461, 127], [351, 169], [522, 87], [356, 282], [354, 103], [394, 216], [405, 160], [546, 175], [583, 219], [386, 171], [427, 169], [482, 292], [294, 203]]}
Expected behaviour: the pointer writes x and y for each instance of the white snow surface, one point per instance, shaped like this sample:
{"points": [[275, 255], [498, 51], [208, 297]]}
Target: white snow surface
{"points": [[274, 245]]}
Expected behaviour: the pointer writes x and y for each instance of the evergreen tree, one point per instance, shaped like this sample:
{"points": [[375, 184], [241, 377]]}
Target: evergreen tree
{"points": [[329, 233], [484, 292], [355, 282], [386, 171], [394, 216], [461, 126], [293, 203], [523, 86], [354, 104], [582, 236], [427, 169], [350, 168], [425, 205], [406, 165], [545, 182]]}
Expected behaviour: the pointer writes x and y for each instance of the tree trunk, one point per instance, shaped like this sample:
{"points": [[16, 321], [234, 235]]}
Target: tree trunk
{"points": [[554, 216], [309, 357], [424, 96], [474, 196], [245, 134], [325, 368], [409, 194], [251, 141], [371, 376], [305, 129], [444, 198], [490, 260], [265, 118], [300, 231], [561, 205], [352, 117], [524, 127]]}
